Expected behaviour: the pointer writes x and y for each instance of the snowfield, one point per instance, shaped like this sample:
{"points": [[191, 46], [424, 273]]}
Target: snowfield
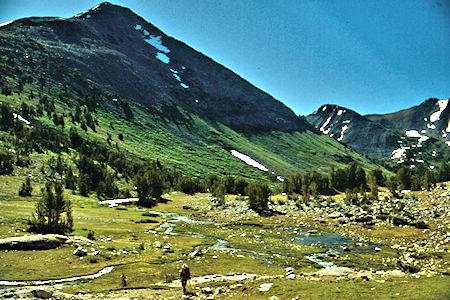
{"points": [[249, 161], [325, 124], [162, 57], [412, 134], [442, 106]]}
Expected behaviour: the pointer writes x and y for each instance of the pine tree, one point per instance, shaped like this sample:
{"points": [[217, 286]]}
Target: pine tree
{"points": [[149, 187], [53, 212], [373, 187], [220, 190], [26, 189]]}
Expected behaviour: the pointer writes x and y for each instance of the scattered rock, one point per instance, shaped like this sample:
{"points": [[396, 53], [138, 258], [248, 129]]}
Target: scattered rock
{"points": [[196, 253], [265, 287], [167, 249], [80, 252], [290, 273], [335, 215], [338, 271], [207, 291], [42, 294], [219, 291]]}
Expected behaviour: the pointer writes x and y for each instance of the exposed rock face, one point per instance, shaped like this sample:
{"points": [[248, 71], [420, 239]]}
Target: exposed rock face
{"points": [[41, 242], [414, 136], [355, 130], [432, 116], [120, 51]]}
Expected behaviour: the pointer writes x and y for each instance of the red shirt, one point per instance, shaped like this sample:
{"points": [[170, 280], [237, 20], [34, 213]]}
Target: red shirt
{"points": [[185, 274]]}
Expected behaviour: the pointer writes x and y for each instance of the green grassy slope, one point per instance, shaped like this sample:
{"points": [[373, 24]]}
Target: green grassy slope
{"points": [[197, 148], [179, 139]]}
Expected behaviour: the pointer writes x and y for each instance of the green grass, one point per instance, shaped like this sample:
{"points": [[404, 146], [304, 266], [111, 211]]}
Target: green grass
{"points": [[394, 288], [144, 266], [198, 148]]}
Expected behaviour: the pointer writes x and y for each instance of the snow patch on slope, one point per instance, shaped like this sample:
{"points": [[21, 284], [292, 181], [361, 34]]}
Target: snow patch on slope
{"points": [[344, 128], [20, 118], [412, 133], [325, 124], [163, 57], [6, 23], [398, 153], [155, 41], [248, 160], [442, 106]]}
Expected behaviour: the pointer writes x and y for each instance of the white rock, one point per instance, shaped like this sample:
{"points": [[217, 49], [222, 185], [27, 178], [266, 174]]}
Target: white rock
{"points": [[265, 287]]}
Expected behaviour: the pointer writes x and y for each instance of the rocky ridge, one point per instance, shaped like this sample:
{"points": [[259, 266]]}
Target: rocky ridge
{"points": [[413, 137], [121, 52]]}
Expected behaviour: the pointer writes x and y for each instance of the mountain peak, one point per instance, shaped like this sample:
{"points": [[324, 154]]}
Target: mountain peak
{"points": [[106, 8]]}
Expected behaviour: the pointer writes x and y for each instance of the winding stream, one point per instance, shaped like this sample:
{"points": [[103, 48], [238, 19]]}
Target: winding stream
{"points": [[333, 243]]}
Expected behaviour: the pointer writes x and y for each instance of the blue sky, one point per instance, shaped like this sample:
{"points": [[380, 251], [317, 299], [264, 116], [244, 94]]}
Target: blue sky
{"points": [[370, 56]]}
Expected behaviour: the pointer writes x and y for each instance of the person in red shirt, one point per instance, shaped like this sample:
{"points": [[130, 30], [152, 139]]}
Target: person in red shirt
{"points": [[185, 276]]}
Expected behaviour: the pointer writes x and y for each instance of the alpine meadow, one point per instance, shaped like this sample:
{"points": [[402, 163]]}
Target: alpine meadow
{"points": [[133, 166]]}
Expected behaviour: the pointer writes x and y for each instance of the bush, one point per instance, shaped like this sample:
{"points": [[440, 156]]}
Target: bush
{"points": [[6, 162], [258, 195], [26, 189]]}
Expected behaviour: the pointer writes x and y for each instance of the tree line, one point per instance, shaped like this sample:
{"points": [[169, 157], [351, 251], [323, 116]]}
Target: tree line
{"points": [[354, 179]]}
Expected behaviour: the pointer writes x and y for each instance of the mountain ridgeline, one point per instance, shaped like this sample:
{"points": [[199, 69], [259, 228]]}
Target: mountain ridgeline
{"points": [[411, 137], [121, 52], [108, 79]]}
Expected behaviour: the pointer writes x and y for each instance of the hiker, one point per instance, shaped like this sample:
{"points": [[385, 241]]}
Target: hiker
{"points": [[184, 276]]}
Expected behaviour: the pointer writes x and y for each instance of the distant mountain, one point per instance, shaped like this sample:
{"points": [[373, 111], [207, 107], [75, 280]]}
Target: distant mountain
{"points": [[431, 118], [414, 136], [153, 97]]}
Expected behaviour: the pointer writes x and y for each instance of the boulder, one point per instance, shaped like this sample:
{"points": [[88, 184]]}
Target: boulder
{"points": [[289, 270], [337, 271], [34, 242], [335, 215], [219, 291], [196, 253], [167, 249], [207, 290], [420, 224], [42, 242], [157, 244], [42, 294], [265, 287], [80, 252]]}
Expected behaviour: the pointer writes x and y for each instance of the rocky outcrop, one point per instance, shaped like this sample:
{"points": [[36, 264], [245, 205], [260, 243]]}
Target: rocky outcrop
{"points": [[41, 242]]}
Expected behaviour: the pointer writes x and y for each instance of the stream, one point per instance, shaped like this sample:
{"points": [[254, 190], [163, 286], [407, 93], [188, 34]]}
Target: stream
{"points": [[335, 244]]}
